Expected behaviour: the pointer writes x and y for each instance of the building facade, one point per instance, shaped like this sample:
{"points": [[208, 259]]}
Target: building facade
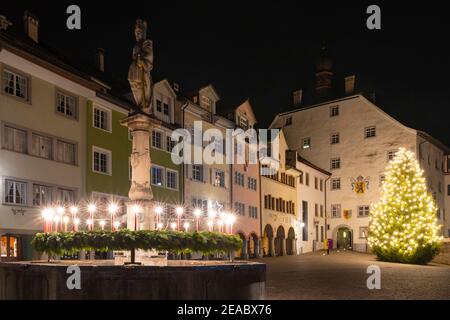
{"points": [[245, 187], [354, 140], [279, 211]]}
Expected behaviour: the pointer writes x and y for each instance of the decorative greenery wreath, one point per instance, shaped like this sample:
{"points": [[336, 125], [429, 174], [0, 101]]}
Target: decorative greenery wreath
{"points": [[174, 241]]}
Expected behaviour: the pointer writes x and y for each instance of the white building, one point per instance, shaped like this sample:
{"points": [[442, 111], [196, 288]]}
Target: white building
{"points": [[312, 200], [354, 139]]}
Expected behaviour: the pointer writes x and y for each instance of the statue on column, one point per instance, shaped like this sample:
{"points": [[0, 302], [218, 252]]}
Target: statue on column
{"points": [[139, 72]]}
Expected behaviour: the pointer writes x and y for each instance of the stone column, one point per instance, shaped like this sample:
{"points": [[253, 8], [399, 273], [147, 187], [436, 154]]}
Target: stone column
{"points": [[140, 193], [272, 247], [283, 247], [257, 248], [244, 252]]}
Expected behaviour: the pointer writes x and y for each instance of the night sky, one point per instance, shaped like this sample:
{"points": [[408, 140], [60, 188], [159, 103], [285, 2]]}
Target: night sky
{"points": [[265, 50]]}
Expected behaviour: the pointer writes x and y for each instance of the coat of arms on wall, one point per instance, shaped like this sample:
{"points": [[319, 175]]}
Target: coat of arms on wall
{"points": [[360, 185]]}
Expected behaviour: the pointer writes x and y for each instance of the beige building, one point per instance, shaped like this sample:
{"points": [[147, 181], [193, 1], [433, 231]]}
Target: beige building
{"points": [[354, 140], [447, 197], [280, 210]]}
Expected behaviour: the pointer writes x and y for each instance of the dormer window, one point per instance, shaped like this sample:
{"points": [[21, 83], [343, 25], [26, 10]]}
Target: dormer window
{"points": [[243, 122], [206, 103]]}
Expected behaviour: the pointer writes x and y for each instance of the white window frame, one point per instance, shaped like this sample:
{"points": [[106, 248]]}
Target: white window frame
{"points": [[161, 140], [391, 155], [335, 163], [370, 132], [334, 182], [306, 143], [16, 74], [201, 173], [363, 211], [335, 138], [222, 181], [41, 186], [162, 175], [15, 183], [40, 139], [176, 179], [66, 96], [108, 160], [336, 208], [5, 144], [332, 111], [108, 120]]}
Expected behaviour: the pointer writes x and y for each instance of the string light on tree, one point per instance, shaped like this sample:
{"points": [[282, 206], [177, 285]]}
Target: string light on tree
{"points": [[403, 225]]}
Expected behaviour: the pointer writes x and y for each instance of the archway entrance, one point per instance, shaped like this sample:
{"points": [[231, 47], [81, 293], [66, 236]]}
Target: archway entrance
{"points": [[279, 242], [344, 238], [290, 242], [267, 241], [253, 247]]}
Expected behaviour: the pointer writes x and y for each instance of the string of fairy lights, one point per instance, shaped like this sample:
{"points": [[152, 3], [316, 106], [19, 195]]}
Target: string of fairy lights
{"points": [[405, 217], [67, 217]]}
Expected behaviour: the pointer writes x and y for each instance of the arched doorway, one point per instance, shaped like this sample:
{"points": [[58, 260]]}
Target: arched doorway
{"points": [[290, 242], [242, 252], [253, 245], [279, 242], [267, 241], [344, 238]]}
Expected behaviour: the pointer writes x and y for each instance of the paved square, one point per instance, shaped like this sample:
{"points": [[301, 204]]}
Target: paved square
{"points": [[342, 275]]}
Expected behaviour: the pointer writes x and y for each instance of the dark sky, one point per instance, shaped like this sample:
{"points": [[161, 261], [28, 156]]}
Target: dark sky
{"points": [[265, 50]]}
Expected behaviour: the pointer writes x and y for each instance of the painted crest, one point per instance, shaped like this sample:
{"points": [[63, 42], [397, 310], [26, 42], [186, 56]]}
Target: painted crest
{"points": [[360, 185]]}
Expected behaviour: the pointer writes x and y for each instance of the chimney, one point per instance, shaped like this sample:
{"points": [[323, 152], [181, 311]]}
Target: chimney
{"points": [[31, 23], [297, 96], [349, 84], [176, 87], [100, 59]]}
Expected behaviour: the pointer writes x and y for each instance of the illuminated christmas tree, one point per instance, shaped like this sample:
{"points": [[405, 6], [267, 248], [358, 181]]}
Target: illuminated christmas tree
{"points": [[403, 224]]}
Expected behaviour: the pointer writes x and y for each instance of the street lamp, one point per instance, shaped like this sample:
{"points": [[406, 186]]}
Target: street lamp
{"points": [[197, 214], [136, 211], [158, 211], [92, 208], [179, 212], [113, 208]]}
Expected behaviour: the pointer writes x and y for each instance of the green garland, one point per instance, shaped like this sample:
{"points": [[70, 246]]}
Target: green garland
{"points": [[174, 241]]}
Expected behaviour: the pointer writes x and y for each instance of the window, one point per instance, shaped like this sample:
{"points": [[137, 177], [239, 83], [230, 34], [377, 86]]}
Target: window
{"points": [[66, 105], [170, 144], [316, 183], [14, 139], [15, 192], [253, 212], [335, 210], [321, 185], [391, 155], [102, 119], [42, 195], [336, 184], [448, 189], [166, 109], [306, 143], [197, 172], [66, 195], [157, 139], [363, 211], [363, 232], [335, 138], [172, 179], [65, 152], [335, 163], [370, 132], [334, 111], [219, 180], [307, 178], [130, 169], [15, 85], [321, 211], [9, 246], [41, 146], [321, 234], [252, 183], [239, 178], [158, 105], [382, 178], [206, 103], [239, 208], [202, 204], [101, 161], [157, 176], [288, 121], [305, 220], [316, 210]]}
